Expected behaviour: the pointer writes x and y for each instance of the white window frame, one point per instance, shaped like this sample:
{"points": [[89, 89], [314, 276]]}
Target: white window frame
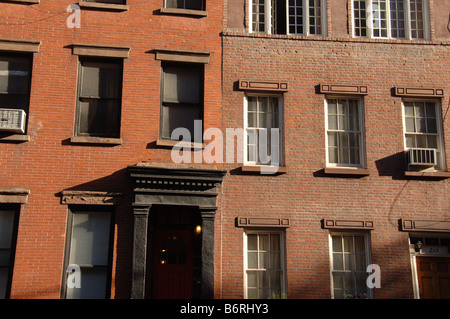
{"points": [[280, 126], [282, 258], [362, 149], [439, 129], [368, 256], [268, 18], [407, 21]]}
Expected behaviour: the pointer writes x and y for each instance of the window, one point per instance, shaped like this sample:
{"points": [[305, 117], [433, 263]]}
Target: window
{"points": [[423, 128], [264, 265], [90, 234], [15, 80], [9, 216], [344, 132], [182, 97], [107, 1], [350, 258], [399, 19], [306, 17], [263, 122], [99, 98], [185, 4]]}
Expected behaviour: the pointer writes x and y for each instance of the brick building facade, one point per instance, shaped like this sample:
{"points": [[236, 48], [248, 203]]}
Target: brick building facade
{"points": [[288, 65], [96, 94], [89, 181]]}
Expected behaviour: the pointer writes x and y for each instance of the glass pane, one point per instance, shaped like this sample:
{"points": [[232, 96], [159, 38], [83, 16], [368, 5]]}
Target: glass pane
{"points": [[93, 284], [252, 242], [275, 242], [338, 262], [410, 140], [14, 75], [252, 279], [251, 103], [432, 141], [338, 281], [360, 260], [4, 257], [332, 122], [90, 238], [264, 260], [420, 125], [275, 260], [409, 122], [252, 260], [100, 80], [332, 108], [3, 282], [180, 115], [431, 125], [359, 244], [348, 243], [6, 228], [333, 155], [337, 243], [99, 117], [431, 110], [263, 242], [182, 84], [252, 119]]}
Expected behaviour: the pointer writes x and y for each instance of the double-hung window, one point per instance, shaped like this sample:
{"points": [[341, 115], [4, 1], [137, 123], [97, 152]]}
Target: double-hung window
{"points": [[90, 248], [349, 261], [423, 132], [182, 98], [398, 19], [264, 265], [304, 17], [9, 216], [263, 130], [345, 136], [99, 98], [15, 79]]}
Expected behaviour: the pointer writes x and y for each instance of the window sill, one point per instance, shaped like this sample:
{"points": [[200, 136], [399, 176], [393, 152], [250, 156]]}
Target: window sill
{"points": [[15, 138], [266, 170], [346, 171], [435, 174], [23, 1], [170, 143], [95, 140], [103, 6], [184, 12]]}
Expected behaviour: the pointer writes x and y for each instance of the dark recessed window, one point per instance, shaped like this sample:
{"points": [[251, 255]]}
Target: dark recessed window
{"points": [[15, 80], [9, 218], [99, 98], [89, 247], [182, 97], [185, 4]]}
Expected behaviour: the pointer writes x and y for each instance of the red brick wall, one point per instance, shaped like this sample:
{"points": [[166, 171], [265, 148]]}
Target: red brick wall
{"points": [[303, 194], [49, 164]]}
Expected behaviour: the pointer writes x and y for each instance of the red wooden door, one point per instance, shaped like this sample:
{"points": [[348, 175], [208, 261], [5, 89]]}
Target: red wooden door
{"points": [[173, 264], [434, 277]]}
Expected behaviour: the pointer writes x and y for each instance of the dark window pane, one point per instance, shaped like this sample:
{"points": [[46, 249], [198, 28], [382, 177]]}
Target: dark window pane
{"points": [[99, 117]]}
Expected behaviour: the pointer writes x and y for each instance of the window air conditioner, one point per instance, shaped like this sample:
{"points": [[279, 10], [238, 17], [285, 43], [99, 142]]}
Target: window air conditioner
{"points": [[422, 157], [12, 120]]}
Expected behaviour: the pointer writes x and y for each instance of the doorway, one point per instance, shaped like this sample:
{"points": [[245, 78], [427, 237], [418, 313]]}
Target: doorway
{"points": [[434, 277], [174, 253]]}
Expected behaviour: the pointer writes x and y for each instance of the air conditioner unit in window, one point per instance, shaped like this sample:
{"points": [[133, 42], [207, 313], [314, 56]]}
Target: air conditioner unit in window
{"points": [[12, 120], [425, 157]]}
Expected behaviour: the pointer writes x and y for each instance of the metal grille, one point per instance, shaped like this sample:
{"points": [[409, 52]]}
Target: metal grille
{"points": [[12, 120]]}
